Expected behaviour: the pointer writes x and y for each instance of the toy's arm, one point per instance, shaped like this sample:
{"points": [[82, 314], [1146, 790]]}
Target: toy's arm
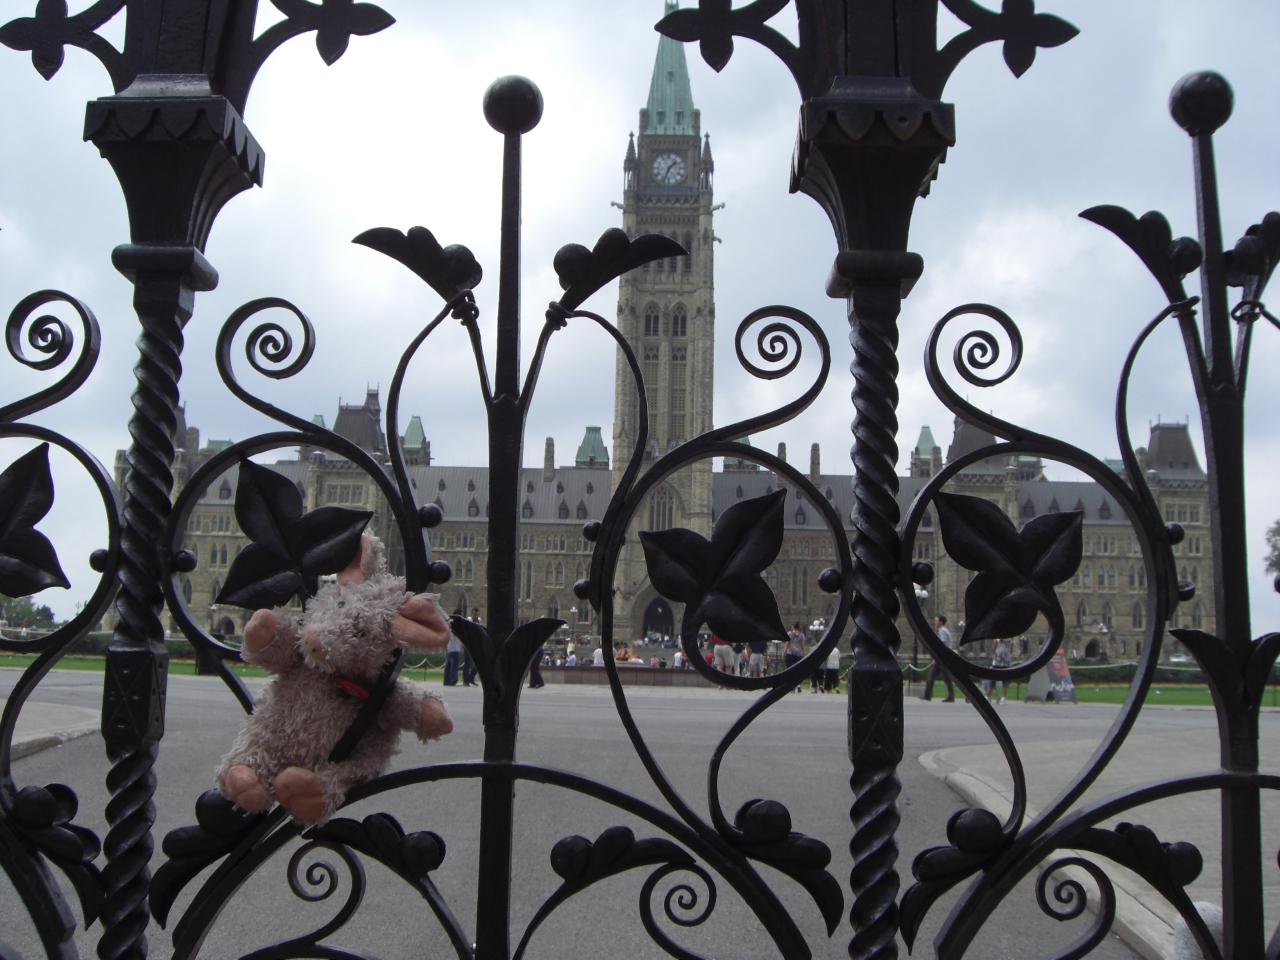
{"points": [[420, 623], [270, 641], [420, 711]]}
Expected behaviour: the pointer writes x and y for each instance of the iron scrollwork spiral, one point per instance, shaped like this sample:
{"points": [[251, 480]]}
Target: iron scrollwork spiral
{"points": [[679, 904]]}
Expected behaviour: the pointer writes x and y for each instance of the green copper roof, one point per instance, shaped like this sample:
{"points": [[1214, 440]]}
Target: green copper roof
{"points": [[318, 419], [733, 463], [217, 446], [414, 436], [670, 97], [924, 447], [592, 451]]}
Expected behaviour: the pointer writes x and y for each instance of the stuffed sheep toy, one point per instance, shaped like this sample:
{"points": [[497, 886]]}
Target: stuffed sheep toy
{"points": [[322, 670]]}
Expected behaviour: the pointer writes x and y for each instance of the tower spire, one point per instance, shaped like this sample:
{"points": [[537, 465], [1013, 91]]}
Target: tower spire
{"points": [[670, 106]]}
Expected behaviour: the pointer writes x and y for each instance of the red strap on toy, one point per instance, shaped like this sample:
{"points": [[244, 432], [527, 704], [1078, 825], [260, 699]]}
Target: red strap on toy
{"points": [[351, 687]]}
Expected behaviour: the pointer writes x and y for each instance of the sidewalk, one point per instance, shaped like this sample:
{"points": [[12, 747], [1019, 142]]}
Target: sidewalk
{"points": [[45, 725], [1144, 919]]}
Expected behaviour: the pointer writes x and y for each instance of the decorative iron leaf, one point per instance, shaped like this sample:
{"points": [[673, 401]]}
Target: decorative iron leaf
{"points": [[714, 24], [41, 818], [28, 562], [1017, 570], [447, 270], [44, 35], [1150, 237], [335, 21], [719, 579], [582, 272], [1166, 866], [290, 550], [1025, 30]]}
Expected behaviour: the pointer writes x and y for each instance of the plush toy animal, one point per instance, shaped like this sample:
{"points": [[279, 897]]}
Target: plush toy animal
{"points": [[321, 672]]}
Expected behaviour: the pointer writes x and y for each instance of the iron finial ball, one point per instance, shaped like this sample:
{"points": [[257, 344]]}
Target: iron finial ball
{"points": [[1201, 102], [513, 104]]}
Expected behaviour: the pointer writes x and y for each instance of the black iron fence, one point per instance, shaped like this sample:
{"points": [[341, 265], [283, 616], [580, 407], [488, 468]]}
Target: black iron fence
{"points": [[873, 129]]}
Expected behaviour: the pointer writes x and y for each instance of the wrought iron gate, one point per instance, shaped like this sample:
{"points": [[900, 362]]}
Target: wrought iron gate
{"points": [[873, 130]]}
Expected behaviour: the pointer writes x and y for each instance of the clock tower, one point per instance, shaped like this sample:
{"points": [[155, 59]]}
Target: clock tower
{"points": [[666, 311]]}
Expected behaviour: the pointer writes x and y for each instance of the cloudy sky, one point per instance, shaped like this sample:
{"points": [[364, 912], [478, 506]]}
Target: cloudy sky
{"points": [[392, 135]]}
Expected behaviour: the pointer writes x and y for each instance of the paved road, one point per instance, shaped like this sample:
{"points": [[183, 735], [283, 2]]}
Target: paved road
{"points": [[795, 753]]}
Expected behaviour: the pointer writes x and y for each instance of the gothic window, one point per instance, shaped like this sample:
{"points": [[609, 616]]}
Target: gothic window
{"points": [[1133, 578], [688, 256], [564, 510], [679, 319], [186, 589], [1102, 578], [773, 578], [795, 586], [582, 511], [551, 574], [1195, 513], [584, 614], [676, 414], [660, 510], [1075, 580], [473, 508], [1195, 576], [215, 590], [679, 355], [1197, 618], [528, 579], [1084, 572], [213, 555], [1108, 616], [553, 608], [470, 572], [660, 263], [1142, 577], [559, 573], [1182, 513], [804, 588], [581, 573], [1137, 616], [222, 560], [527, 510], [1082, 615], [579, 545], [1111, 578]]}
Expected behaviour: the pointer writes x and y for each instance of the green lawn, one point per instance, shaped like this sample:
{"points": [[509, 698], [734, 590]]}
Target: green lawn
{"points": [[184, 667]]}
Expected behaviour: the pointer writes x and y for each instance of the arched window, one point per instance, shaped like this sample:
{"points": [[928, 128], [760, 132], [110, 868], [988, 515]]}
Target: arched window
{"points": [[527, 510], [528, 487], [582, 512], [1133, 578], [186, 589], [1111, 578], [461, 608], [651, 317], [1108, 616], [222, 559], [215, 590], [1084, 573], [1082, 615], [559, 573], [804, 587], [471, 572], [1142, 577], [1197, 618], [738, 493], [471, 485], [213, 555], [679, 322], [551, 574], [660, 510], [773, 578], [553, 608], [1138, 616], [581, 574], [1195, 576], [591, 488], [473, 508]]}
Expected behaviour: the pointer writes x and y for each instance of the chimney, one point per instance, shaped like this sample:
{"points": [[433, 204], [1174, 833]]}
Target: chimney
{"points": [[549, 461], [815, 465], [935, 461]]}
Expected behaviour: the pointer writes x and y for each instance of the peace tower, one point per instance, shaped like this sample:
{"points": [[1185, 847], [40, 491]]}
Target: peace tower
{"points": [[666, 310]]}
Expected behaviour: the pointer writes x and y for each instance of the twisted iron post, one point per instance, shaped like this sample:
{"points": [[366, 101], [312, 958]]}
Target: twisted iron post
{"points": [[174, 185]]}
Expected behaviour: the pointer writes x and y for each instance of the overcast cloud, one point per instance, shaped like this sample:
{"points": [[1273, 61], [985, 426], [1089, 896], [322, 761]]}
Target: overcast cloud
{"points": [[392, 135]]}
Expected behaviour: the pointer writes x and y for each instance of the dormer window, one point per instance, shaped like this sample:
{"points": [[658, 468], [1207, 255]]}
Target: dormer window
{"points": [[471, 485], [1028, 509], [441, 485], [473, 508], [564, 510], [527, 510], [738, 493], [679, 117], [582, 510], [662, 114], [800, 517], [559, 488], [591, 488], [528, 487]]}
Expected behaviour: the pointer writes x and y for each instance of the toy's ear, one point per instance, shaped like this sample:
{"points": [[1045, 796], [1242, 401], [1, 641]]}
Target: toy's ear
{"points": [[420, 623], [365, 563]]}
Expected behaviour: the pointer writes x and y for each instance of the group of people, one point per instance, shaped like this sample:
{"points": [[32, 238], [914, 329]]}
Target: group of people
{"points": [[1001, 657], [748, 659], [457, 660]]}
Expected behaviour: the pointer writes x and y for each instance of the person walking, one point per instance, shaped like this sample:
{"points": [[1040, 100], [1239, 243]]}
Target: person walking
{"points": [[452, 657], [794, 651], [597, 657], [1001, 656], [833, 671], [722, 656], [755, 661], [935, 668], [468, 665]]}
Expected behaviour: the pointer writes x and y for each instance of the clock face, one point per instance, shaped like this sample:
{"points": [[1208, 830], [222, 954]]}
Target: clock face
{"points": [[668, 168]]}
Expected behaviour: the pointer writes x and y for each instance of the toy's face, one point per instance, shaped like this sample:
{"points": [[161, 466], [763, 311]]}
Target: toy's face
{"points": [[344, 634]]}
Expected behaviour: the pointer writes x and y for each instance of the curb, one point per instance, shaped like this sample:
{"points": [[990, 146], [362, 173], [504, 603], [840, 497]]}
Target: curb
{"points": [[1136, 924], [32, 743]]}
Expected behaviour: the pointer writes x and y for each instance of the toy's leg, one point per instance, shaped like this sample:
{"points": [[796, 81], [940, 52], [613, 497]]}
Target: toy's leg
{"points": [[301, 793], [243, 788], [435, 721]]}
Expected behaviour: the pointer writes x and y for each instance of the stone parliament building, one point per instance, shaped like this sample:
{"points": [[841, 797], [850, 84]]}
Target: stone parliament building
{"points": [[666, 311]]}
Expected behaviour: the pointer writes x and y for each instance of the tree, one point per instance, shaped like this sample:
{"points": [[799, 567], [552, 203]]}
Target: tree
{"points": [[14, 610], [1273, 548]]}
